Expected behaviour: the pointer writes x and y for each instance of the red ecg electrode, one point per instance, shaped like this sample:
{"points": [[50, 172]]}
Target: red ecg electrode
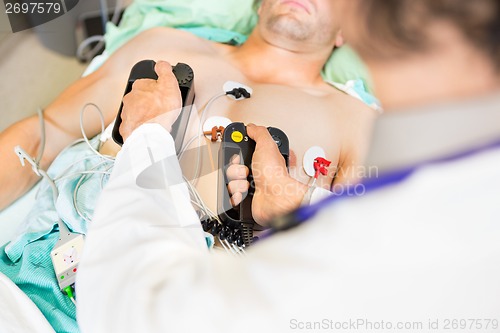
{"points": [[320, 166]]}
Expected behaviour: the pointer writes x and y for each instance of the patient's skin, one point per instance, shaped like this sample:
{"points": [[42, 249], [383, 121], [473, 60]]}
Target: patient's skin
{"points": [[319, 115], [293, 98]]}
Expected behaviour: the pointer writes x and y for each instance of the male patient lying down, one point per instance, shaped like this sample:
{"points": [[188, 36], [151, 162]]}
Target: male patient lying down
{"points": [[281, 61]]}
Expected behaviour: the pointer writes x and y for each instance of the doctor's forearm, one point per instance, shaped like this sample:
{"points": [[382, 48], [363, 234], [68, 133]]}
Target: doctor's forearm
{"points": [[147, 237]]}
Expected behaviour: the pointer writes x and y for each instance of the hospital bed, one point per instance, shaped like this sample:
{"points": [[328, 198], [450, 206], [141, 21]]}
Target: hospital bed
{"points": [[216, 20]]}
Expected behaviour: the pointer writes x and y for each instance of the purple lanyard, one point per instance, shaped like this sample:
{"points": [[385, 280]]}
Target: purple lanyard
{"points": [[305, 213]]}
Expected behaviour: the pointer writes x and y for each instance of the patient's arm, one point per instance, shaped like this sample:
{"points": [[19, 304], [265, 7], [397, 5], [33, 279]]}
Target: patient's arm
{"points": [[62, 126], [104, 88]]}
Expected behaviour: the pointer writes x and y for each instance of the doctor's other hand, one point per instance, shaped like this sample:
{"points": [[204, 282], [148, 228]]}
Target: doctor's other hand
{"points": [[276, 192], [154, 101]]}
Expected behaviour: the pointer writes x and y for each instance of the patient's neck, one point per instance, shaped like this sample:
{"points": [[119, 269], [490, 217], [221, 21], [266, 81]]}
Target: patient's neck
{"points": [[265, 62]]}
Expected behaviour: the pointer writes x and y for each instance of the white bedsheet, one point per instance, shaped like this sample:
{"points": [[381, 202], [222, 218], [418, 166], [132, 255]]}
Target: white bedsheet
{"points": [[17, 312]]}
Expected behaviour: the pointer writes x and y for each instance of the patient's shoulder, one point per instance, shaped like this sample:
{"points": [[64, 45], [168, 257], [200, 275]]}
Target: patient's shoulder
{"points": [[347, 102], [162, 32], [173, 38], [159, 43]]}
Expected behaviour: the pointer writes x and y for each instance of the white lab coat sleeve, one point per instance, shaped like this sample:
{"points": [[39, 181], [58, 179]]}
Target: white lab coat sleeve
{"points": [[146, 268], [145, 237]]}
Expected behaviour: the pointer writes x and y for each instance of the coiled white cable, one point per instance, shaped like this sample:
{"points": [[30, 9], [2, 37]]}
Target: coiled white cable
{"points": [[84, 135], [35, 163]]}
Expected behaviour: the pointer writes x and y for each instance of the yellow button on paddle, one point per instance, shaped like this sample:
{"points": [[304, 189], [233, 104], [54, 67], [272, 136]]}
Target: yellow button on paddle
{"points": [[237, 136]]}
